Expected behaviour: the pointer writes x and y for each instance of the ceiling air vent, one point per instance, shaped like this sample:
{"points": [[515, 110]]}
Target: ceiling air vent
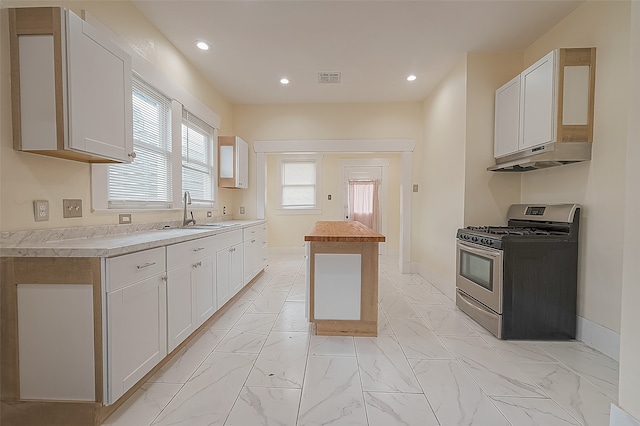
{"points": [[329, 77]]}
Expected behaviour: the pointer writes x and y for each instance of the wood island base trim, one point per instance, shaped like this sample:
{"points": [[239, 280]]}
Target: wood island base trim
{"points": [[347, 238], [347, 328]]}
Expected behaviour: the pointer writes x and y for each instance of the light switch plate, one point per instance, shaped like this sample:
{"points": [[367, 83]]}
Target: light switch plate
{"points": [[415, 187], [41, 210], [71, 208]]}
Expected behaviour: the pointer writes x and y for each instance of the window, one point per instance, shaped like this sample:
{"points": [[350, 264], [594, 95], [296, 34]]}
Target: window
{"points": [[146, 182], [299, 180], [175, 152], [198, 170]]}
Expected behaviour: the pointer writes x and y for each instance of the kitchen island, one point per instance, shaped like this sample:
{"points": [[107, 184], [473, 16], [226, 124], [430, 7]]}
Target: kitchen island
{"points": [[342, 278]]}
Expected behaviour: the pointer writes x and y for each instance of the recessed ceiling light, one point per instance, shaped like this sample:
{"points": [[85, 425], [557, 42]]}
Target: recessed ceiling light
{"points": [[284, 80], [411, 77], [203, 45]]}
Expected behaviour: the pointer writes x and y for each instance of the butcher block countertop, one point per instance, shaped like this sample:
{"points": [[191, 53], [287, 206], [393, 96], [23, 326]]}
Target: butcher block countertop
{"points": [[338, 231]]}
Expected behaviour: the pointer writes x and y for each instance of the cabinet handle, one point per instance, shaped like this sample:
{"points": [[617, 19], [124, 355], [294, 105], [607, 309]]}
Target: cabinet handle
{"points": [[164, 278], [132, 154], [146, 265], [198, 249], [253, 241], [197, 264]]}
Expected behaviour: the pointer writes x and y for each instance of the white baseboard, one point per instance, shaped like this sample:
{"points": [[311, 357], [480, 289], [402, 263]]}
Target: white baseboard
{"points": [[619, 417], [286, 250], [593, 334], [599, 337]]}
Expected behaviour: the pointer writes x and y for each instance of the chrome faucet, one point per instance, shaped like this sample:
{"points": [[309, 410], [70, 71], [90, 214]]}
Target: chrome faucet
{"points": [[187, 200]]}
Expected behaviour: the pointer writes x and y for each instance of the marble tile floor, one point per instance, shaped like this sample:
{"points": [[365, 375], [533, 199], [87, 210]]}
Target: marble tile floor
{"points": [[259, 364]]}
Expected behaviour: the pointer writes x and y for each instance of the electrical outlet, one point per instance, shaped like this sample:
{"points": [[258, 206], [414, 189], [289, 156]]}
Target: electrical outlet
{"points": [[124, 218], [241, 210], [329, 197], [224, 210], [71, 208], [209, 214], [41, 210]]}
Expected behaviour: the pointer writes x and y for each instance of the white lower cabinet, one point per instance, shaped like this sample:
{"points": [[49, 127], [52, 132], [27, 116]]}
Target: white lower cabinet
{"points": [[255, 251], [229, 270], [236, 275], [157, 298], [223, 267], [229, 265], [136, 318], [204, 278], [181, 298], [191, 288]]}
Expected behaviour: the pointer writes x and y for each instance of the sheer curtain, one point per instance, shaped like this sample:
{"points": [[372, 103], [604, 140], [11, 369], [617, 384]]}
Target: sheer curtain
{"points": [[363, 203]]}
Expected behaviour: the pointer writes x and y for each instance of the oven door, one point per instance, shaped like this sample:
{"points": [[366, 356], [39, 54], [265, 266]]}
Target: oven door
{"points": [[479, 274]]}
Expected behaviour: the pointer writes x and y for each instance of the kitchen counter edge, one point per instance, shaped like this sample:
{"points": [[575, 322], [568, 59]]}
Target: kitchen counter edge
{"points": [[118, 244]]}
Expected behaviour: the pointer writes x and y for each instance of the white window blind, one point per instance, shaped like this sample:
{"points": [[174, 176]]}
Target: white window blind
{"points": [[146, 182], [298, 184], [198, 169]]}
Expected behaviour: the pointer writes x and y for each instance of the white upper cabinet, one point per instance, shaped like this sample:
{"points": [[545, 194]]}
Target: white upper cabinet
{"points": [[551, 101], [233, 162], [537, 102], [507, 118], [71, 96]]}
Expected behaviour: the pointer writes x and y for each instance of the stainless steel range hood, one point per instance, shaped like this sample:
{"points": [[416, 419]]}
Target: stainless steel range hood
{"points": [[544, 156]]}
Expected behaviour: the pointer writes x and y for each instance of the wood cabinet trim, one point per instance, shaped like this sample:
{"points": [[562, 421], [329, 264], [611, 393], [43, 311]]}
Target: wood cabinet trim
{"points": [[43, 21], [15, 271], [575, 57], [368, 323]]}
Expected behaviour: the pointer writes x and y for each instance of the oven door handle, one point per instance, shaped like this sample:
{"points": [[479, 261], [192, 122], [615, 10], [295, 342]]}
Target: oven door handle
{"points": [[480, 250]]}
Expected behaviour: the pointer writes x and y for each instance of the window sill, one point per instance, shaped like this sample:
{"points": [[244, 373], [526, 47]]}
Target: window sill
{"points": [[298, 211]]}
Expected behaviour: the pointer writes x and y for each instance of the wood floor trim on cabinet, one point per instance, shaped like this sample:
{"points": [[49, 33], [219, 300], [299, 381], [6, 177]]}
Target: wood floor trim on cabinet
{"points": [[368, 323], [15, 271]]}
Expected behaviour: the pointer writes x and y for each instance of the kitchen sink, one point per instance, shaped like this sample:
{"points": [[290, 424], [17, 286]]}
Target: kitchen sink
{"points": [[214, 225]]}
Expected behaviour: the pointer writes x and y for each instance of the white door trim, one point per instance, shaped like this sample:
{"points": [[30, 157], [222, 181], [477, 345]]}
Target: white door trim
{"points": [[404, 146], [383, 164]]}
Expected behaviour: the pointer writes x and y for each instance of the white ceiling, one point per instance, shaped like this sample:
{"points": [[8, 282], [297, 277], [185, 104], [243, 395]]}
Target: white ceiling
{"points": [[374, 44]]}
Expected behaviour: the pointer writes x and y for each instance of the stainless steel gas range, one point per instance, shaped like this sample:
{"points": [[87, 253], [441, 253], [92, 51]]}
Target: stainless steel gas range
{"points": [[520, 281]]}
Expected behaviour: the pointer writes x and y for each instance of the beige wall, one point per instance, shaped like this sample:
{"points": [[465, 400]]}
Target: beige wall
{"points": [[487, 195], [598, 185], [440, 204], [321, 122], [26, 177], [286, 230], [630, 338]]}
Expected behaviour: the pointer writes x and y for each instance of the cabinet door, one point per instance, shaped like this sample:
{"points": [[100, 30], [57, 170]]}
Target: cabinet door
{"points": [[236, 272], [537, 100], [99, 87], [181, 301], [223, 267], [251, 254], [507, 118], [137, 333], [204, 280], [242, 163]]}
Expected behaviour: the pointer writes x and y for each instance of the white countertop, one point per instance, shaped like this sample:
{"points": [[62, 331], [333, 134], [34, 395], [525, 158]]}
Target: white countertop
{"points": [[116, 244]]}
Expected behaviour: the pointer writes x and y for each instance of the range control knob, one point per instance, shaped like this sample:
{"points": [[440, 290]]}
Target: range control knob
{"points": [[474, 239]]}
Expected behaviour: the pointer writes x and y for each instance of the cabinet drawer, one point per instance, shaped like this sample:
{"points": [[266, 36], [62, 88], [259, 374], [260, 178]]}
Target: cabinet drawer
{"points": [[130, 268], [250, 232], [179, 254], [228, 239]]}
